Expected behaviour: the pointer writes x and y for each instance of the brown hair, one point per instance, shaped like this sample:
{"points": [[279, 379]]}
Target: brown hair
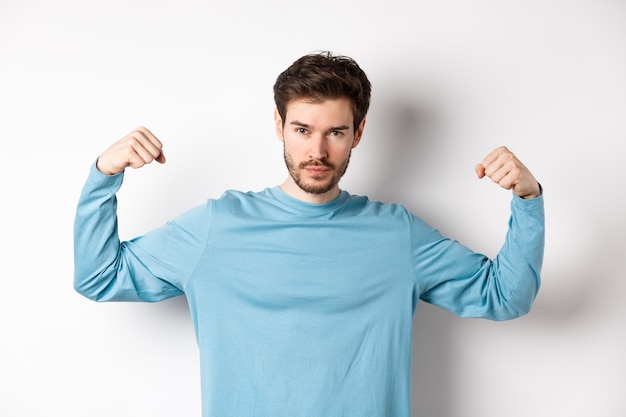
{"points": [[322, 76]]}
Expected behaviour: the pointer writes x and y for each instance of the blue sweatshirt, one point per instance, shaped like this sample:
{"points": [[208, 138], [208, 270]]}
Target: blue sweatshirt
{"points": [[303, 309]]}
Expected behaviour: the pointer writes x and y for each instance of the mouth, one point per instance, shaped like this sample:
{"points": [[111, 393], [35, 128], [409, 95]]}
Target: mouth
{"points": [[316, 170]]}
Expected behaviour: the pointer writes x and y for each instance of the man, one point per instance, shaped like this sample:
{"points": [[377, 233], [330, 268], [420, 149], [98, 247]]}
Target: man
{"points": [[302, 295]]}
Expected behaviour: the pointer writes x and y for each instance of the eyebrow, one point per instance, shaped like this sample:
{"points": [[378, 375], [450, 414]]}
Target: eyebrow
{"points": [[301, 124]]}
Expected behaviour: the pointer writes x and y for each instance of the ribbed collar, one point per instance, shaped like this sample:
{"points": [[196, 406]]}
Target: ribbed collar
{"points": [[302, 206]]}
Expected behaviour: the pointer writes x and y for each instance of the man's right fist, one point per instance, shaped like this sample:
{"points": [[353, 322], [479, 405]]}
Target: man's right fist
{"points": [[138, 148]]}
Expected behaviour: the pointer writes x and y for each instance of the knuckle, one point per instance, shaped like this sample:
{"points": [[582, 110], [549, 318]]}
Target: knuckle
{"points": [[132, 142]]}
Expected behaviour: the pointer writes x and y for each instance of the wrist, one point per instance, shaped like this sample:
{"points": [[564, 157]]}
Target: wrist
{"points": [[103, 169], [536, 192]]}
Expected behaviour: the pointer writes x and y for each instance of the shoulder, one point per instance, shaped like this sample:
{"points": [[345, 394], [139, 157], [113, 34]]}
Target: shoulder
{"points": [[235, 202], [230, 203], [388, 214], [236, 197], [365, 205]]}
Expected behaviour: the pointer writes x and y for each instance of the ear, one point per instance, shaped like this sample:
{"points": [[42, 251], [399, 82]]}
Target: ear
{"points": [[278, 124], [358, 134]]}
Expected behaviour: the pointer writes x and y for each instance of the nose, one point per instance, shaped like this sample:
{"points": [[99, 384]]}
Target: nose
{"points": [[318, 149]]}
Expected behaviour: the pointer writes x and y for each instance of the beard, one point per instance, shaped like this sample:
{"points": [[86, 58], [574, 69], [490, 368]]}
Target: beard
{"points": [[318, 185]]}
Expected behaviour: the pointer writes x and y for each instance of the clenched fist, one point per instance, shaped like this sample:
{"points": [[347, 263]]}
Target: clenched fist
{"points": [[503, 167], [138, 148]]}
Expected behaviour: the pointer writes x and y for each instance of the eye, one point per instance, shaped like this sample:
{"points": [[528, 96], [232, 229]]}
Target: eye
{"points": [[301, 130], [335, 133]]}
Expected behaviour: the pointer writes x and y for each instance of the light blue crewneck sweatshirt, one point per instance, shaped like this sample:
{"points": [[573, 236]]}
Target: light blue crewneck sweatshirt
{"points": [[302, 309]]}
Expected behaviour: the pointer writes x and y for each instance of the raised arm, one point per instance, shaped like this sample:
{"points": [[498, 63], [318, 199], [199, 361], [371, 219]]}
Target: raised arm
{"points": [[470, 284], [106, 269]]}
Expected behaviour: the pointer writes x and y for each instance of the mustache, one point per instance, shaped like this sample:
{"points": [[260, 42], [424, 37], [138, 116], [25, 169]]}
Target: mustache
{"points": [[316, 163]]}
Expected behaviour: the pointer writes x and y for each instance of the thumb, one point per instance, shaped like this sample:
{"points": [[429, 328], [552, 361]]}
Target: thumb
{"points": [[480, 170], [161, 158]]}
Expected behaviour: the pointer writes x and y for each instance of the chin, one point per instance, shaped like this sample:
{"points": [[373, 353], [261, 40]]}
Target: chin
{"points": [[317, 188]]}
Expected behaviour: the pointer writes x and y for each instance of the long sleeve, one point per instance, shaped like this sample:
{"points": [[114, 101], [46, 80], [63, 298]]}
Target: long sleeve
{"points": [[471, 285], [149, 268]]}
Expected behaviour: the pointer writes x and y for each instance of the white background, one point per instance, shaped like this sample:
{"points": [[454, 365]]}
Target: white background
{"points": [[451, 79]]}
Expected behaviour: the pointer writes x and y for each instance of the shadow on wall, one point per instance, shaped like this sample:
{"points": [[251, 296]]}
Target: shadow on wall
{"points": [[406, 137], [583, 274], [405, 134], [431, 373]]}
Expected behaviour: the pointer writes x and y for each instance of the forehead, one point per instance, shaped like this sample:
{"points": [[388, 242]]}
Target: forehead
{"points": [[332, 111]]}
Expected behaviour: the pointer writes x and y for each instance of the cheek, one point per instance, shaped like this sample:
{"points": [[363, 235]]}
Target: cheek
{"points": [[293, 146], [340, 152]]}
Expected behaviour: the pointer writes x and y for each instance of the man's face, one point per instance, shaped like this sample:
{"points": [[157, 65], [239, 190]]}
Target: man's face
{"points": [[318, 139]]}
